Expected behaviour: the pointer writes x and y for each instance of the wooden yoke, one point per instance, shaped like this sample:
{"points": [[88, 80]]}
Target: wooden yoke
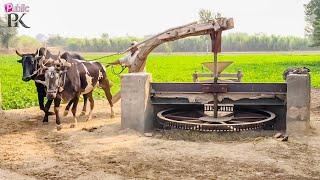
{"points": [[192, 29]]}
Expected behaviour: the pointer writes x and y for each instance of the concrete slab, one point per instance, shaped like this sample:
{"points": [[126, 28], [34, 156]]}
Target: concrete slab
{"points": [[136, 109], [298, 102]]}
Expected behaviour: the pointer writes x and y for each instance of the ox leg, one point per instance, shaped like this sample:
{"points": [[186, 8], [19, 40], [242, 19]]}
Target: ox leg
{"points": [[45, 108], [66, 111], [41, 94], [57, 102], [106, 88], [74, 111], [89, 95], [46, 112], [84, 109]]}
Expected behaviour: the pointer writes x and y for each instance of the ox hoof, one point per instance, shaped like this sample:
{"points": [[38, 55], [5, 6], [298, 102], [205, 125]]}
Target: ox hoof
{"points": [[65, 113], [82, 113], [72, 126], [45, 122], [112, 116], [59, 127], [88, 119]]}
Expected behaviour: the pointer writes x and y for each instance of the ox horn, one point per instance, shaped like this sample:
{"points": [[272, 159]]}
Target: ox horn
{"points": [[43, 67], [17, 52], [44, 55], [65, 63], [45, 52]]}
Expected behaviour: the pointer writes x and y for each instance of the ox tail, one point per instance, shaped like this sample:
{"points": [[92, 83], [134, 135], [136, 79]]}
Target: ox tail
{"points": [[110, 82]]}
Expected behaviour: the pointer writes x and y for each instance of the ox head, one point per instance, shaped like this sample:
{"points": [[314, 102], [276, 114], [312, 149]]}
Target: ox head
{"points": [[52, 79], [29, 65], [54, 72]]}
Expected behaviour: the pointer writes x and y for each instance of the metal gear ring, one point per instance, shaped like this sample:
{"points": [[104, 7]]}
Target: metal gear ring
{"points": [[244, 120]]}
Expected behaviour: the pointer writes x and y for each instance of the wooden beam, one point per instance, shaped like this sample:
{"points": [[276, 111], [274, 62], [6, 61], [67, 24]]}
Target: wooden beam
{"points": [[192, 29], [172, 34]]}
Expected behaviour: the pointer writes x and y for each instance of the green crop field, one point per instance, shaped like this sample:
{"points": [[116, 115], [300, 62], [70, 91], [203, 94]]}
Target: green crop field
{"points": [[165, 68]]}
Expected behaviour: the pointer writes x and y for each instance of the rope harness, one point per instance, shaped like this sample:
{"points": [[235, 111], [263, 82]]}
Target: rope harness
{"points": [[112, 66], [117, 73]]}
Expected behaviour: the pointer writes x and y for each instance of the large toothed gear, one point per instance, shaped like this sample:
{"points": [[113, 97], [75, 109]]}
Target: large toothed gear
{"points": [[197, 120]]}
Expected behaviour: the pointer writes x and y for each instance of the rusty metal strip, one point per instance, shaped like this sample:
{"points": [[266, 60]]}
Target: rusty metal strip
{"points": [[280, 88], [214, 88]]}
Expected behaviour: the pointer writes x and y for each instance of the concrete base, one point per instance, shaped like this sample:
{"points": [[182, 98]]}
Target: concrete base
{"points": [[298, 102], [136, 109]]}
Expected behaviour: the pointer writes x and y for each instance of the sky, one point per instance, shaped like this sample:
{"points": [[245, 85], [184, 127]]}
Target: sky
{"points": [[91, 18]]}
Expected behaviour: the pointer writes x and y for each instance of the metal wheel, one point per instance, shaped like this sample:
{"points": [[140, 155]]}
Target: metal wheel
{"points": [[199, 120]]}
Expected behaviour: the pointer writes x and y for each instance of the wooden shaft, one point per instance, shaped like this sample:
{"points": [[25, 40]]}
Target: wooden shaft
{"points": [[215, 95], [215, 67]]}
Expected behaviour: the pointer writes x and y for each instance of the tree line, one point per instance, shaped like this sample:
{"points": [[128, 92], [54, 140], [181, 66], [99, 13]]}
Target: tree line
{"points": [[231, 42]]}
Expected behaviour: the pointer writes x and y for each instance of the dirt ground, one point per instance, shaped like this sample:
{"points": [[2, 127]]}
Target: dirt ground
{"points": [[100, 149]]}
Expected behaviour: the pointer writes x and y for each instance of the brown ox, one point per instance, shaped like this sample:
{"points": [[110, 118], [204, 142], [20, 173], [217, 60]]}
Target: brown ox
{"points": [[67, 80]]}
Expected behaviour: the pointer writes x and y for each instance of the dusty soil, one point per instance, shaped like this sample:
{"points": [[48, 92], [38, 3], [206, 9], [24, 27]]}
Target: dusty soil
{"points": [[100, 149]]}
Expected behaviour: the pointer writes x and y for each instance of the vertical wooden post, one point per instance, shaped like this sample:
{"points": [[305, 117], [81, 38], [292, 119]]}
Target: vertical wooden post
{"points": [[215, 95], [216, 47]]}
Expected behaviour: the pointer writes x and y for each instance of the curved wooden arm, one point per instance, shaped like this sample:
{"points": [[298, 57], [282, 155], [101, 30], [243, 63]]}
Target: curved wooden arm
{"points": [[192, 29]]}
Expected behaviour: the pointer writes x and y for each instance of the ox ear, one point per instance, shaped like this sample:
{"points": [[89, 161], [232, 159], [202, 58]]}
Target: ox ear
{"points": [[19, 61], [18, 53]]}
